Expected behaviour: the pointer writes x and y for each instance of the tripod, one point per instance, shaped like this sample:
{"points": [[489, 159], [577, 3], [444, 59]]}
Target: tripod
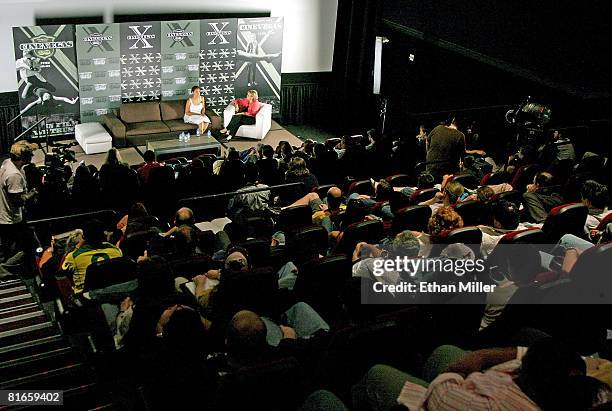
{"points": [[383, 114]]}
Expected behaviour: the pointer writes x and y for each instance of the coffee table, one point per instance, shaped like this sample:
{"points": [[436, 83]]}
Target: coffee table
{"points": [[164, 149]]}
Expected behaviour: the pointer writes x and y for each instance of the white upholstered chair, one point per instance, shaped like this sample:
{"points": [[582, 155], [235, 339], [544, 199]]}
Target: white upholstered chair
{"points": [[263, 122]]}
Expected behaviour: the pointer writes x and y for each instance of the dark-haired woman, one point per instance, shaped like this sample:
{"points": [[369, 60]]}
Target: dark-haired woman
{"points": [[194, 110]]}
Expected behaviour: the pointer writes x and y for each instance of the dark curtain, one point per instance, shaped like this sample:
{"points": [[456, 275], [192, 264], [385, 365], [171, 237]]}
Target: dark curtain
{"points": [[305, 103], [353, 66], [9, 108]]}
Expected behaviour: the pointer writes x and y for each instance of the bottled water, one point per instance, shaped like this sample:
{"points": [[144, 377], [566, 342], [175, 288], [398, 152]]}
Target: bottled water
{"points": [[198, 132], [188, 137], [182, 136], [208, 132]]}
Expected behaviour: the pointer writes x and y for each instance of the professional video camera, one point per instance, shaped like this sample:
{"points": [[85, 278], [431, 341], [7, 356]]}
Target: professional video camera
{"points": [[529, 118], [60, 155], [529, 115]]}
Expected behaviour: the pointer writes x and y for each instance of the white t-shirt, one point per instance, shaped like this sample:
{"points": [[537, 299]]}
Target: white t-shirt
{"points": [[12, 181]]}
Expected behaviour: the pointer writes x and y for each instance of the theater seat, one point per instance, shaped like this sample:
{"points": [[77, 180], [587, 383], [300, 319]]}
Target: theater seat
{"points": [[259, 251], [524, 175], [465, 235], [134, 244], [306, 243], [369, 231], [295, 217], [565, 219], [604, 223], [280, 381], [320, 283], [513, 196], [495, 178], [361, 187], [473, 212], [591, 275], [411, 218], [423, 195], [399, 180], [259, 227], [528, 236], [108, 272]]}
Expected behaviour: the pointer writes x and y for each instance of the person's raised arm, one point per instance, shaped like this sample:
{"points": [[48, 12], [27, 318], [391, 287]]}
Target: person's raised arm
{"points": [[435, 199], [481, 360]]}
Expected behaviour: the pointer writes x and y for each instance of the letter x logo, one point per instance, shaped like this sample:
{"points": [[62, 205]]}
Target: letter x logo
{"points": [[218, 33], [140, 37]]}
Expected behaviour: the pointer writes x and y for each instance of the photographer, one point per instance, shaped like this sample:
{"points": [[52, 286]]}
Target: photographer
{"points": [[15, 236]]}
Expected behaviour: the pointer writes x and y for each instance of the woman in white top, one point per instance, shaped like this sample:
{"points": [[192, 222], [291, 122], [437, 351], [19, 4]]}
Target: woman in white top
{"points": [[194, 110]]}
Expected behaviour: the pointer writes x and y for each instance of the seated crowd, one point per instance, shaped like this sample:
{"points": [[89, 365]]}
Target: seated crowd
{"points": [[276, 306]]}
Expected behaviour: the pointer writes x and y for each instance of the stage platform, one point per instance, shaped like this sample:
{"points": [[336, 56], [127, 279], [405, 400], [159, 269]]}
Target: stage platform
{"points": [[130, 155]]}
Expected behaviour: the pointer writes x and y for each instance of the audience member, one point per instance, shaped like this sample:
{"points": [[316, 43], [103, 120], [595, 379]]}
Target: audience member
{"points": [[297, 172], [541, 197], [149, 164], [249, 204], [232, 171], [268, 167], [595, 196], [446, 147], [506, 377], [92, 249]]}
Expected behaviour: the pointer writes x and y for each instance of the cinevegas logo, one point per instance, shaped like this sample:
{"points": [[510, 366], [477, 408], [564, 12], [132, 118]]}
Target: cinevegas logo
{"points": [[179, 34], [44, 46], [97, 39], [219, 33], [141, 37]]}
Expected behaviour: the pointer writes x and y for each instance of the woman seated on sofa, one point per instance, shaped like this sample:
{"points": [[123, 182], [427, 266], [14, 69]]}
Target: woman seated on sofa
{"points": [[246, 110], [194, 110]]}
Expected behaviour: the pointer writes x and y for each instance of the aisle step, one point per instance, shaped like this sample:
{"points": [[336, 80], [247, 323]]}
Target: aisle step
{"points": [[57, 378], [7, 315], [37, 365], [33, 332], [22, 320], [16, 301]]}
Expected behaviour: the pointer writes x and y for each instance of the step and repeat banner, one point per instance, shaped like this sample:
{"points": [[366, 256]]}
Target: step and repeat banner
{"points": [[99, 67], [75, 74]]}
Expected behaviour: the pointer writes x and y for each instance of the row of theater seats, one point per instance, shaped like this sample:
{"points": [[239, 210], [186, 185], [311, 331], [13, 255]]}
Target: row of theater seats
{"points": [[321, 283], [34, 355]]}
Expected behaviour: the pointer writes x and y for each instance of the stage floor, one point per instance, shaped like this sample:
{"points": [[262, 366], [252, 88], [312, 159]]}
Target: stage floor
{"points": [[130, 155]]}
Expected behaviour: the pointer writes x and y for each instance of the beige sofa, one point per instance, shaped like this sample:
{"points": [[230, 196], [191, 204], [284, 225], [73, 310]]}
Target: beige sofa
{"points": [[137, 123]]}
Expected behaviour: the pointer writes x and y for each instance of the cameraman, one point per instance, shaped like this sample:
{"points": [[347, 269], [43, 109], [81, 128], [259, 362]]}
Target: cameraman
{"points": [[14, 235]]}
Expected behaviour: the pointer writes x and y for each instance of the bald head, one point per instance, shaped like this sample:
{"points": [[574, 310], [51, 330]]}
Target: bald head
{"points": [[334, 198], [334, 192], [184, 216], [246, 336]]}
